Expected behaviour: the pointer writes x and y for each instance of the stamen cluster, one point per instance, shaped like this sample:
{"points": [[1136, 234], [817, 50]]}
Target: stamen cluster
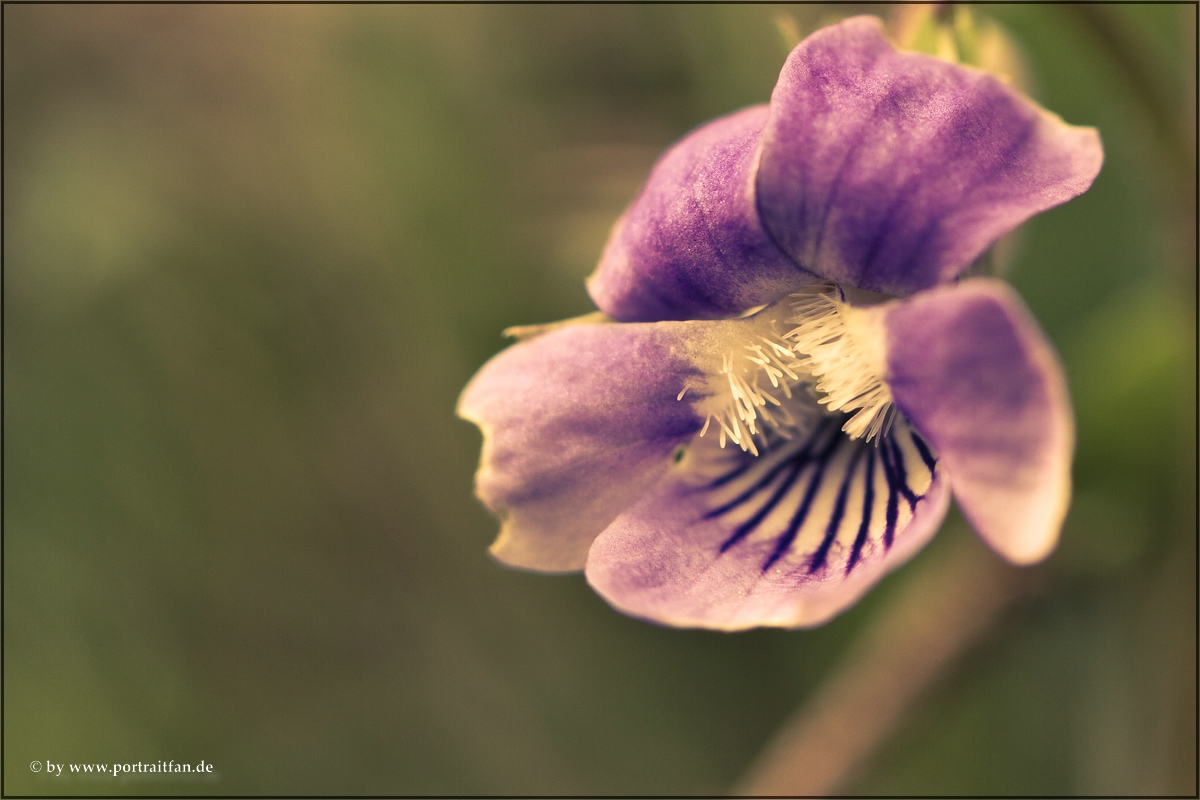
{"points": [[827, 354], [751, 409], [833, 341]]}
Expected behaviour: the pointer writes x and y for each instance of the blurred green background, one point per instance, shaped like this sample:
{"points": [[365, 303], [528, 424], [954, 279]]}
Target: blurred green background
{"points": [[252, 254]]}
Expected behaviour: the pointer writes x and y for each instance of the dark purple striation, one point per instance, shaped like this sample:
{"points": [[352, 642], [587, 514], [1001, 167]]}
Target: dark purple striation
{"points": [[876, 169], [771, 554], [578, 423], [972, 371], [691, 245]]}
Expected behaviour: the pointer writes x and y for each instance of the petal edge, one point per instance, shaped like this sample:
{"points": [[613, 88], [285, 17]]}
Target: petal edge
{"points": [[969, 366], [577, 423], [691, 245], [892, 171]]}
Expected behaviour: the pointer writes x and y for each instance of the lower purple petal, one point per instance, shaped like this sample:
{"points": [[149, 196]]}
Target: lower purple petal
{"points": [[789, 539], [577, 424], [691, 245], [972, 371]]}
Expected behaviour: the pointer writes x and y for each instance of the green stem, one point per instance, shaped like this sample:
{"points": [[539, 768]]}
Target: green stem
{"points": [[960, 594]]}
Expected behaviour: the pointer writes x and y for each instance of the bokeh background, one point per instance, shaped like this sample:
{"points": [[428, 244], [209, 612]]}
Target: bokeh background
{"points": [[252, 254]]}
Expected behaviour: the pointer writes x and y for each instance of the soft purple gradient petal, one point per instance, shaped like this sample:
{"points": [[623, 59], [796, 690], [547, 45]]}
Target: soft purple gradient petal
{"points": [[893, 171], [662, 561], [577, 423], [691, 245], [973, 372]]}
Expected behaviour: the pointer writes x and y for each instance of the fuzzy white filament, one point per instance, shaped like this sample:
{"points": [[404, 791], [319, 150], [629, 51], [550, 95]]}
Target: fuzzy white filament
{"points": [[840, 345], [749, 408]]}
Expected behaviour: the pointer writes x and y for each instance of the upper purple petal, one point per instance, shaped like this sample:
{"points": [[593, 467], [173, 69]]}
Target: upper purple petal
{"points": [[788, 539], [974, 374], [577, 423], [691, 245], [893, 171]]}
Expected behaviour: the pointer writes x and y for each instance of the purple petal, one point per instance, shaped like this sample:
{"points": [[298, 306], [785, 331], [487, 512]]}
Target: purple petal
{"points": [[789, 539], [893, 171], [691, 245], [974, 374], [577, 423]]}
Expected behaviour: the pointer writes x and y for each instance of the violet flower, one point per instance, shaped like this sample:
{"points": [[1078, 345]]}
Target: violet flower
{"points": [[788, 381]]}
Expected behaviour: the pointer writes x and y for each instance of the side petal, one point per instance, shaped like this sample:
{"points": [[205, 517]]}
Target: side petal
{"points": [[973, 372], [790, 539], [893, 171], [691, 245], [577, 423]]}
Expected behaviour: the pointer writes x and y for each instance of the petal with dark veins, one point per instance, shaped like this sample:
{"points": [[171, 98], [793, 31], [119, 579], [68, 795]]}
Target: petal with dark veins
{"points": [[790, 539]]}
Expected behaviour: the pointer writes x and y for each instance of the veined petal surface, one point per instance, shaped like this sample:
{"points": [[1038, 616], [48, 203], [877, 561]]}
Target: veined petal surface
{"points": [[691, 245], [892, 171], [788, 539], [577, 423], [973, 372]]}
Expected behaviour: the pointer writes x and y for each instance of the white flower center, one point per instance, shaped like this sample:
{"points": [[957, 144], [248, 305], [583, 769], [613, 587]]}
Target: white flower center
{"points": [[753, 391], [769, 375], [843, 346]]}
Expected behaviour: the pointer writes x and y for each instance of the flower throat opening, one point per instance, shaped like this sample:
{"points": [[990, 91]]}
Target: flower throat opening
{"points": [[769, 383]]}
